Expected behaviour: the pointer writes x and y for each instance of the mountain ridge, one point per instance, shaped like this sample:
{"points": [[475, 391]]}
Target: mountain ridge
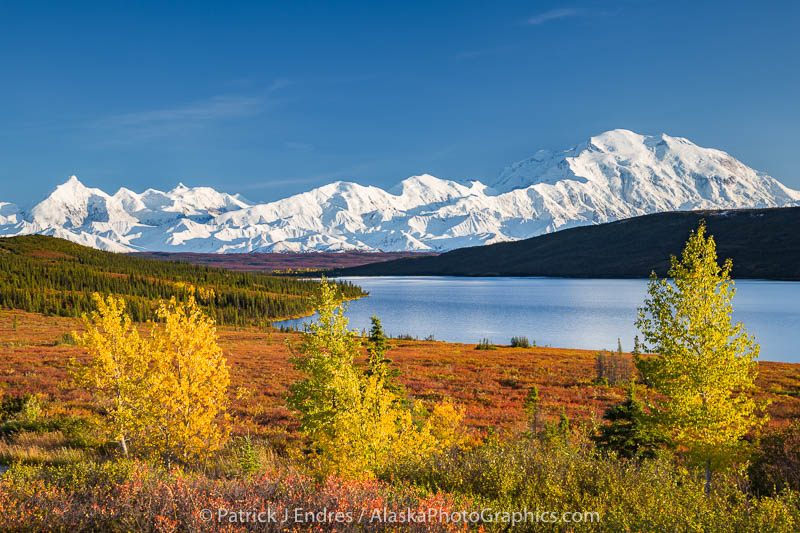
{"points": [[763, 244], [616, 175]]}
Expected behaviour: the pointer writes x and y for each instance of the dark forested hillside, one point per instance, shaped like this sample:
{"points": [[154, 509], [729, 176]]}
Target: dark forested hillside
{"points": [[53, 276], [763, 243]]}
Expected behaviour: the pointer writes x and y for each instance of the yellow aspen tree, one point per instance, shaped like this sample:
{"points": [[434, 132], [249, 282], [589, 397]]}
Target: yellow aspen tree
{"points": [[118, 370], [354, 419], [360, 438], [327, 399], [190, 378], [705, 365]]}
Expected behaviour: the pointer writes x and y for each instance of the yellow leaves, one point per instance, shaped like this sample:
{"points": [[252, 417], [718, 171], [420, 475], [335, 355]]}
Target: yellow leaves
{"points": [[353, 419], [166, 392], [117, 372], [242, 393], [205, 294], [706, 363], [191, 377], [444, 424]]}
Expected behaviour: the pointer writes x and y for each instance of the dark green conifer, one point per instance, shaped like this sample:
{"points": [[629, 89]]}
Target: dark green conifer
{"points": [[626, 431], [377, 362], [531, 406]]}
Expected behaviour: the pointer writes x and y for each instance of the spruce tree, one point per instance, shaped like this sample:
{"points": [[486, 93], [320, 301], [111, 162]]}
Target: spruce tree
{"points": [[377, 362], [531, 406], [563, 423], [627, 431]]}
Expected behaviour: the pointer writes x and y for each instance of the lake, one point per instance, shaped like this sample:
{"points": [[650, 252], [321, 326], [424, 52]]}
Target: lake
{"points": [[569, 313]]}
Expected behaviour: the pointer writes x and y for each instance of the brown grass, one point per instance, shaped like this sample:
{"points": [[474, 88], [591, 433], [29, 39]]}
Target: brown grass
{"points": [[51, 447], [49, 254]]}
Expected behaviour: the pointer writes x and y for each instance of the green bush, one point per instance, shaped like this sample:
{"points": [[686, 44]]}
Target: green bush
{"points": [[248, 459], [776, 465], [655, 494], [11, 406], [629, 495], [520, 342], [484, 344], [80, 432], [626, 431]]}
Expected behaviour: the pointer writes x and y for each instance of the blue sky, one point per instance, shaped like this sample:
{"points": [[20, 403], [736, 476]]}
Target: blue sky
{"points": [[270, 99]]}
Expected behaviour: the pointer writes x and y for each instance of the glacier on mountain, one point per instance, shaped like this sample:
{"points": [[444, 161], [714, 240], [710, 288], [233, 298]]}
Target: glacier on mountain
{"points": [[615, 175]]}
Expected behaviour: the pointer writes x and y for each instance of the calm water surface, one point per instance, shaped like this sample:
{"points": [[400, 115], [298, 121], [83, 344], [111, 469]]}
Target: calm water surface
{"points": [[573, 313]]}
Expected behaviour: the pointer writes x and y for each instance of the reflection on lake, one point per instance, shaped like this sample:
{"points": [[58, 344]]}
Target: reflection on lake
{"points": [[573, 313]]}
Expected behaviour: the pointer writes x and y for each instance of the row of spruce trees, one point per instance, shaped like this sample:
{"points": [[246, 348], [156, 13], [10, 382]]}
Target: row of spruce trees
{"points": [[41, 274]]}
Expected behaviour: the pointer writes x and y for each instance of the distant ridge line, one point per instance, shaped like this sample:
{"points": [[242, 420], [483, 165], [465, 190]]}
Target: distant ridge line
{"points": [[763, 244]]}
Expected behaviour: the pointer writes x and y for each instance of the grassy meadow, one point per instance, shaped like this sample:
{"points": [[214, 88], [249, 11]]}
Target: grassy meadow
{"points": [[67, 474]]}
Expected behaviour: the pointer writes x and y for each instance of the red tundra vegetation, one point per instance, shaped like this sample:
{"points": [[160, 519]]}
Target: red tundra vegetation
{"points": [[490, 384]]}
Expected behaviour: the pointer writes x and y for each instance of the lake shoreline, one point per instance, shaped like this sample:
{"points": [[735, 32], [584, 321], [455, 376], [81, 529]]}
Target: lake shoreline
{"points": [[587, 314]]}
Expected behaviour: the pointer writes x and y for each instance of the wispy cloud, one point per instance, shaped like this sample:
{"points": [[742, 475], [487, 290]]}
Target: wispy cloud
{"points": [[298, 146], [216, 108], [485, 52], [271, 183], [278, 84], [345, 79], [554, 14], [148, 124], [318, 179]]}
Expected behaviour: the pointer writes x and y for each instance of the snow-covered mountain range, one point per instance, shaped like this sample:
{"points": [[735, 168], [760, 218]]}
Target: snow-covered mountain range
{"points": [[615, 175]]}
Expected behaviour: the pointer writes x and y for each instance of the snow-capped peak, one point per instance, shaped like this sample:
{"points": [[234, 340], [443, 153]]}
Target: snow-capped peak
{"points": [[623, 142], [8, 213], [74, 189], [426, 189], [73, 181], [652, 172], [68, 205], [614, 175]]}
